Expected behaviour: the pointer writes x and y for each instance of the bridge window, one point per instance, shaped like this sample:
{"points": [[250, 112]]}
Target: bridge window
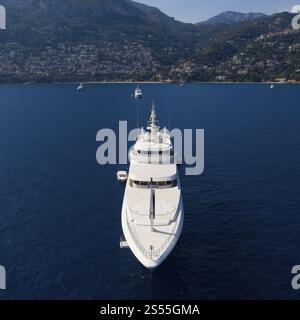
{"points": [[155, 184], [156, 152]]}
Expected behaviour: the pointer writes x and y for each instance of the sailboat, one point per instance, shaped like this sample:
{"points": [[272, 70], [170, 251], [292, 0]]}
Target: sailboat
{"points": [[80, 87]]}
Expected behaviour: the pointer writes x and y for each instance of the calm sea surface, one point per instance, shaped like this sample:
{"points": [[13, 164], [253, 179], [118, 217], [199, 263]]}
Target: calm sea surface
{"points": [[60, 212]]}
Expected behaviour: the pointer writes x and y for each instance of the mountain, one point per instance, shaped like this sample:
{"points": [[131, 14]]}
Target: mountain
{"points": [[70, 7], [232, 17], [106, 11], [265, 49], [109, 29], [155, 15], [108, 40]]}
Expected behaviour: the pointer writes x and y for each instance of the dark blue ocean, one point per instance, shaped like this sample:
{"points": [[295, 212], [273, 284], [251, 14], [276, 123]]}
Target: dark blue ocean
{"points": [[60, 212]]}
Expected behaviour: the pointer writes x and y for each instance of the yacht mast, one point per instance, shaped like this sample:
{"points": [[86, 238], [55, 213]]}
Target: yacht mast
{"points": [[152, 125]]}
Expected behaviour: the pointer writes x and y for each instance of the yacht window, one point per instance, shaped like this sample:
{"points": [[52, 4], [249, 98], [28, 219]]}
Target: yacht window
{"points": [[156, 153], [154, 184]]}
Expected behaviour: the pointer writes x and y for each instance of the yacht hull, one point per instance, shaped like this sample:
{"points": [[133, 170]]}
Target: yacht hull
{"points": [[136, 245]]}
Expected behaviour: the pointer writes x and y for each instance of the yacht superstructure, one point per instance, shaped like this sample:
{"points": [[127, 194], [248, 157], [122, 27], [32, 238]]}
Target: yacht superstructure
{"points": [[152, 212]]}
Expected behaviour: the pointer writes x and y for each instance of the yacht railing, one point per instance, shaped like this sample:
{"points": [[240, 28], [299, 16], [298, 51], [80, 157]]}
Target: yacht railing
{"points": [[150, 254], [153, 159]]}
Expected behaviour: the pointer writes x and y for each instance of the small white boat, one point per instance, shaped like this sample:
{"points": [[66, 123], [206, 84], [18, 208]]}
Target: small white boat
{"points": [[122, 176], [123, 243], [272, 86], [80, 87], [138, 92]]}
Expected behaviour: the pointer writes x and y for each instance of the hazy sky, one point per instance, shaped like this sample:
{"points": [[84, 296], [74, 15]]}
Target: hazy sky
{"points": [[199, 10]]}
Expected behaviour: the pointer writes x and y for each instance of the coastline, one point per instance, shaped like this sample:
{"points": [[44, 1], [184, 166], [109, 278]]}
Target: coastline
{"points": [[151, 82], [173, 82]]}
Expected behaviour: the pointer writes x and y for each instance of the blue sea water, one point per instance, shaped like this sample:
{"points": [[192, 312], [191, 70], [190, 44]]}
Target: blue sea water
{"points": [[60, 212]]}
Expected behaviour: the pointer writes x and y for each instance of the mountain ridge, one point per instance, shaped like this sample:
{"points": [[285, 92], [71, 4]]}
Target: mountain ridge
{"points": [[232, 17], [98, 40]]}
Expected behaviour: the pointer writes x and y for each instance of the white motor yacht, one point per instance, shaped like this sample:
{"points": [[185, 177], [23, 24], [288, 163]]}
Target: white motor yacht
{"points": [[152, 212], [138, 92]]}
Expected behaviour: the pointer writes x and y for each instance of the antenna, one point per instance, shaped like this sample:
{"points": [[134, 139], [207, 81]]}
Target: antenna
{"points": [[170, 107], [153, 124], [138, 114]]}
